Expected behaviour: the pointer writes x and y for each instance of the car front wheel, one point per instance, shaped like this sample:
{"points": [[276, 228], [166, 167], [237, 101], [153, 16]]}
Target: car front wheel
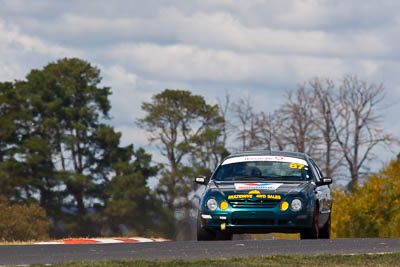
{"points": [[204, 234], [313, 231], [325, 232]]}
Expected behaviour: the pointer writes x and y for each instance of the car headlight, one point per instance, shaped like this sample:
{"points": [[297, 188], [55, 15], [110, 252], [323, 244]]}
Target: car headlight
{"points": [[212, 204], [296, 204]]}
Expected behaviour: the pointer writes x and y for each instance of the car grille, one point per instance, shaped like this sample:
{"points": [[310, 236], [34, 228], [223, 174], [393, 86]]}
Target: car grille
{"points": [[253, 221], [261, 204]]}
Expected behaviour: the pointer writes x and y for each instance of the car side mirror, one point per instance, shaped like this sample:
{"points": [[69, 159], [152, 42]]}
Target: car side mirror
{"points": [[201, 179], [325, 181]]}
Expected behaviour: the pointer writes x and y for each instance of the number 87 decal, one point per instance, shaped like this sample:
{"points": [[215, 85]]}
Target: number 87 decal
{"points": [[296, 166]]}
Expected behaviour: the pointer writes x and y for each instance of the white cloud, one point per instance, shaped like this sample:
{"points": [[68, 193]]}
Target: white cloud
{"points": [[10, 71], [97, 25], [18, 51], [185, 62], [190, 63], [125, 97], [370, 67], [11, 37], [120, 77], [220, 30], [129, 91]]}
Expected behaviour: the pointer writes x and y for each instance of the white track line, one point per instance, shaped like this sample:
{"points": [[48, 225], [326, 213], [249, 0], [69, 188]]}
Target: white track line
{"points": [[105, 240]]}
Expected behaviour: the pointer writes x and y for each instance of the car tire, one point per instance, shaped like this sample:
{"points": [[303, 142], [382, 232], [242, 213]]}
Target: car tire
{"points": [[313, 231], [204, 234], [325, 232]]}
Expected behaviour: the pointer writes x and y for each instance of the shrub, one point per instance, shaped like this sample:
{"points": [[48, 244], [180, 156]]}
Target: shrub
{"points": [[373, 210], [19, 222]]}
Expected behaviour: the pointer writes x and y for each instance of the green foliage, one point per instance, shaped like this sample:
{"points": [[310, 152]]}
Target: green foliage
{"points": [[373, 210], [20, 222], [65, 149], [186, 130], [13, 131], [131, 203], [55, 146], [179, 120]]}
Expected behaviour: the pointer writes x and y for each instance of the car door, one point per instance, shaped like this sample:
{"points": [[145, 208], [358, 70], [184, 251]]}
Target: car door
{"points": [[323, 194]]}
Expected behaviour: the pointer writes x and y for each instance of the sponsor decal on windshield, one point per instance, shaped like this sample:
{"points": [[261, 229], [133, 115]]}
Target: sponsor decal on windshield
{"points": [[301, 162], [252, 186]]}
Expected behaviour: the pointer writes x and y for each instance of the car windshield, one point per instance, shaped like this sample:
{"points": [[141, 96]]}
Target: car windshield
{"points": [[283, 170]]}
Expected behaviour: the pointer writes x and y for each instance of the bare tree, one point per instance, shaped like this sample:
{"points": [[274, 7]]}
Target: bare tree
{"points": [[324, 113], [257, 130], [358, 126], [338, 125], [225, 107], [298, 128], [268, 132], [246, 123]]}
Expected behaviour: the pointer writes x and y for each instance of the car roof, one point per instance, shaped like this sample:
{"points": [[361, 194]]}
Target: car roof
{"points": [[299, 155]]}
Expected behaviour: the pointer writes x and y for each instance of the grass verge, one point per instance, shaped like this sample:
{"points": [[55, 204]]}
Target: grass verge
{"points": [[392, 259]]}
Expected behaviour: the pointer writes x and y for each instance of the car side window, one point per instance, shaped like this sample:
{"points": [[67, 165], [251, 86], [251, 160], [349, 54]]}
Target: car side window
{"points": [[317, 173], [318, 169]]}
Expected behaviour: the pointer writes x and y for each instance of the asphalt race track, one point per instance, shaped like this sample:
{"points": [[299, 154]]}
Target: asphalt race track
{"points": [[47, 254]]}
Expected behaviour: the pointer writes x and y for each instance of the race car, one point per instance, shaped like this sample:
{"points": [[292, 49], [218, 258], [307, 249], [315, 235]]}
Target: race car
{"points": [[265, 192]]}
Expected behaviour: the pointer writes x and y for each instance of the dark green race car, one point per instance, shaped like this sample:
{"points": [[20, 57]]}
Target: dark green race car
{"points": [[265, 192]]}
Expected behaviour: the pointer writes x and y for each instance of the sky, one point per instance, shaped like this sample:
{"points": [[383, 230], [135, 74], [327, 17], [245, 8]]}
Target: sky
{"points": [[255, 48]]}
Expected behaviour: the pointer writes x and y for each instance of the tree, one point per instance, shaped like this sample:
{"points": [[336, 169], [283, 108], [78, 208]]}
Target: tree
{"points": [[339, 126], [208, 151], [180, 123], [68, 145], [358, 126], [298, 127], [56, 150], [55, 147], [224, 108], [291, 126], [325, 116], [12, 115], [269, 131], [346, 117], [246, 123], [130, 202]]}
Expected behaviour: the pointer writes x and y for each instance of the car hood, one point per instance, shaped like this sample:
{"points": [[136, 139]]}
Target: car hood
{"points": [[270, 187]]}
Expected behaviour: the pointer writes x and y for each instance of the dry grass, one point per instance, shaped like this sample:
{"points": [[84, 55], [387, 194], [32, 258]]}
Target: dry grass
{"points": [[281, 260]]}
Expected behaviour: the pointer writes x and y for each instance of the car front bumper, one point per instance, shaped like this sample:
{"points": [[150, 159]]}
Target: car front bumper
{"points": [[256, 221]]}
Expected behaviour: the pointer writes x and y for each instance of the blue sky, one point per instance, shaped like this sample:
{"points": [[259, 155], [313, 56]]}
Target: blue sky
{"points": [[256, 48]]}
